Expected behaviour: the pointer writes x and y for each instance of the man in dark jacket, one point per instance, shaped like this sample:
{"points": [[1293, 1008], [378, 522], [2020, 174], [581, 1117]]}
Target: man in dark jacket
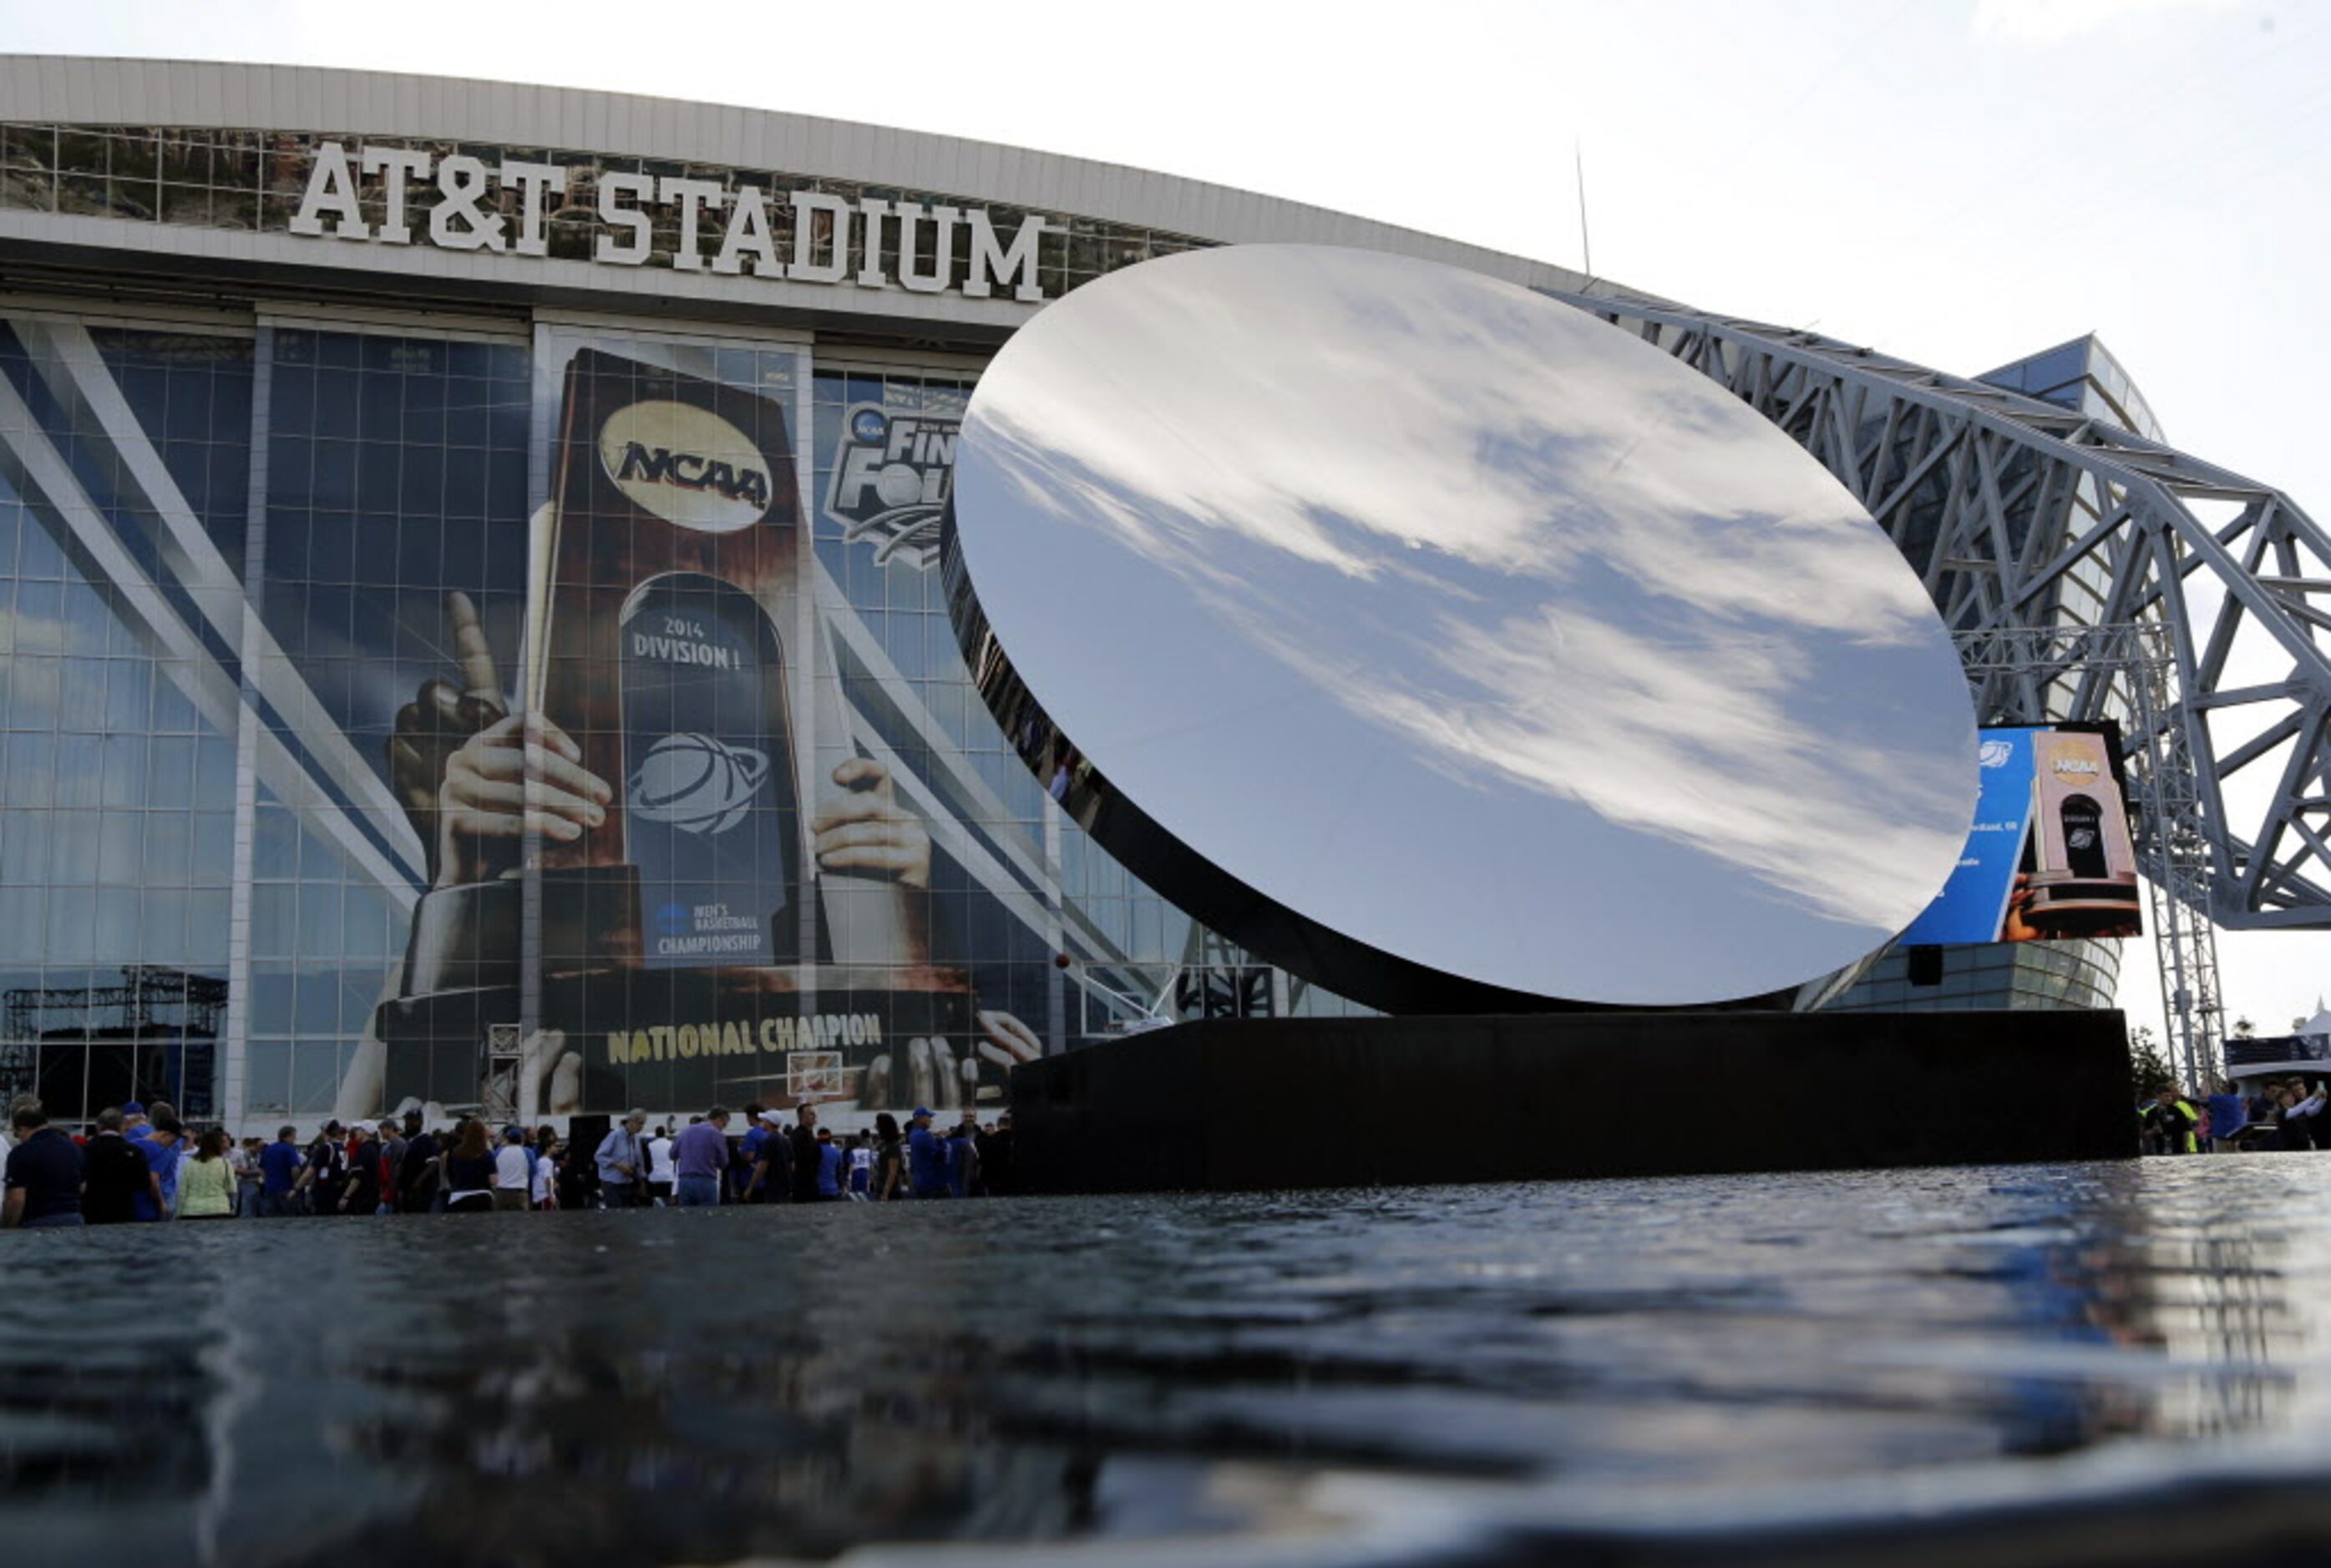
{"points": [[42, 1181], [327, 1170], [112, 1173], [416, 1172], [360, 1194], [805, 1155]]}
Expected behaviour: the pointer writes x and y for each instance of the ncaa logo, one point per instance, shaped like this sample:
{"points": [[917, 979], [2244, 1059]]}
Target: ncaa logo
{"points": [[868, 425], [687, 465], [696, 783]]}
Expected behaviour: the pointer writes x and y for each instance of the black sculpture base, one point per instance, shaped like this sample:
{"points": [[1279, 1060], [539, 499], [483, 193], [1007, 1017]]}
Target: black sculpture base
{"points": [[1253, 1104]]}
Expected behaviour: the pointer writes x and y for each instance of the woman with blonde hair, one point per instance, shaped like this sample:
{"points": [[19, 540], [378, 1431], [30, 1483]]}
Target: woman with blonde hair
{"points": [[207, 1184]]}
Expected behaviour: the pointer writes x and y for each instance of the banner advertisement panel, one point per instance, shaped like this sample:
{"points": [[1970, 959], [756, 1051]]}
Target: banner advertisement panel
{"points": [[671, 873], [2050, 853]]}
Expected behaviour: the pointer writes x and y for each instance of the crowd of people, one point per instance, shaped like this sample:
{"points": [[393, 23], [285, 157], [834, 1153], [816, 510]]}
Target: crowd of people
{"points": [[137, 1163], [2279, 1114]]}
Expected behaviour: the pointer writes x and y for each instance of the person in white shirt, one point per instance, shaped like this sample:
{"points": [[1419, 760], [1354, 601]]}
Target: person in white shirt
{"points": [[661, 1169], [513, 1170], [543, 1192]]}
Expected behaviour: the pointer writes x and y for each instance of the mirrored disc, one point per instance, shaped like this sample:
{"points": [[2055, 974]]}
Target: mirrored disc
{"points": [[1447, 645]]}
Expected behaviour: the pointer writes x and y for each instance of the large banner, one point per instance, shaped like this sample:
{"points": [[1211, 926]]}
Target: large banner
{"points": [[666, 871], [2050, 853]]}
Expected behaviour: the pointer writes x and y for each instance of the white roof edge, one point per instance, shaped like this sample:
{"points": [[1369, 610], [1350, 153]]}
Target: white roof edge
{"points": [[90, 91]]}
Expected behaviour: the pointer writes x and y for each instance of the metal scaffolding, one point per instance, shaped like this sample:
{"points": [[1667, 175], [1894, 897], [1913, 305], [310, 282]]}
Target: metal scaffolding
{"points": [[150, 996]]}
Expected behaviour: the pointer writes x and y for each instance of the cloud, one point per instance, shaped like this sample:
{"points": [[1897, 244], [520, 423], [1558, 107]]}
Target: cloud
{"points": [[2055, 20], [1529, 548]]}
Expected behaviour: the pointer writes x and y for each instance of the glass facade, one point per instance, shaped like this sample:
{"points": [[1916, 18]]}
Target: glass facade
{"points": [[2011, 975], [118, 782], [263, 585], [2083, 375]]}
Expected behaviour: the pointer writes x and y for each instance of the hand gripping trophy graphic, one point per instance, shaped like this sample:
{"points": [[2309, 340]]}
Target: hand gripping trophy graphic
{"points": [[630, 904]]}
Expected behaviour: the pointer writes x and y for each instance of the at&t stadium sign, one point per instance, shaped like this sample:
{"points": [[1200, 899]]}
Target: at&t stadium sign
{"points": [[506, 208]]}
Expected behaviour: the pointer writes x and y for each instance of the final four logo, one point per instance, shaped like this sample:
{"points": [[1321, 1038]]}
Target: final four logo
{"points": [[892, 471]]}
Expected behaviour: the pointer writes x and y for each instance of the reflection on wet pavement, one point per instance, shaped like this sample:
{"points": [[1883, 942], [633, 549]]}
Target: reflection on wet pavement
{"points": [[652, 1388]]}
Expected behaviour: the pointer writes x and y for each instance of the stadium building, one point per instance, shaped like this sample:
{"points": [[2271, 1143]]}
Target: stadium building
{"points": [[345, 415]]}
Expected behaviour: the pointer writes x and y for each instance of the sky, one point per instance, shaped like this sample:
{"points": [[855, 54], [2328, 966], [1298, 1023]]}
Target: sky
{"points": [[1956, 182]]}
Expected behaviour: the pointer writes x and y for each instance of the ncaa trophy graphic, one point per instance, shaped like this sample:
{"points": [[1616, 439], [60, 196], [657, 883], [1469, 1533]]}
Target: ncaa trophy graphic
{"points": [[2080, 861], [724, 900]]}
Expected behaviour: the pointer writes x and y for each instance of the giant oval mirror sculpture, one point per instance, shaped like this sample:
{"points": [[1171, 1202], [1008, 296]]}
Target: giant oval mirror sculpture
{"points": [[1447, 645]]}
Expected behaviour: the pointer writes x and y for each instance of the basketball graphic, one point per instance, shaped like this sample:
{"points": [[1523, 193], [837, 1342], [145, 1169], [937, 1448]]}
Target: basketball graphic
{"points": [[696, 783]]}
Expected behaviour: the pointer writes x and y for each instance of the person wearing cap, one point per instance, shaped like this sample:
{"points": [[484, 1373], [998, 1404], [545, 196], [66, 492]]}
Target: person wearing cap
{"points": [[623, 1162], [135, 1127], [773, 1162], [927, 1157]]}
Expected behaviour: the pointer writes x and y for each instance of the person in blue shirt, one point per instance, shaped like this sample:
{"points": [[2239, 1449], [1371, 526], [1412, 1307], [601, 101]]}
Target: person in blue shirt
{"points": [[860, 1157], [279, 1171], [162, 1153], [745, 1170], [2228, 1114], [963, 1162], [830, 1161], [927, 1157]]}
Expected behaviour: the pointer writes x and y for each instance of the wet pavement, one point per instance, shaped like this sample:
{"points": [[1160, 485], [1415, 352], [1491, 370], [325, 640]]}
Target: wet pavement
{"points": [[1695, 1369]]}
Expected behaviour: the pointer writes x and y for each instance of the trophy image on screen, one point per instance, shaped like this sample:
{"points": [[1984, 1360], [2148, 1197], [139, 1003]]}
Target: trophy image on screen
{"points": [[720, 898], [2083, 870]]}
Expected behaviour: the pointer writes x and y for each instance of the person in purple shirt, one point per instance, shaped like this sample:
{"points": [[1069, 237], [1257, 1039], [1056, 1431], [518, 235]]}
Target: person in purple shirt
{"points": [[698, 1156]]}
